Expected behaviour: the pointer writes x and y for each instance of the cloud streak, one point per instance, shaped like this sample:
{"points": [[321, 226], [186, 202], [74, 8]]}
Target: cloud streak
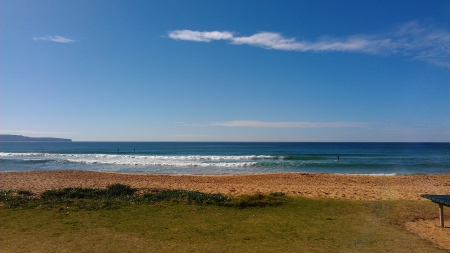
{"points": [[413, 40], [200, 36], [266, 124], [55, 38], [32, 132]]}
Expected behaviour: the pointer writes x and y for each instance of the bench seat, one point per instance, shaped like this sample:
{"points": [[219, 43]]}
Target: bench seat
{"points": [[441, 200]]}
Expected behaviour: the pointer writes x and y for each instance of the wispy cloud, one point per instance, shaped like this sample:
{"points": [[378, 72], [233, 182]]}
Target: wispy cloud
{"points": [[277, 41], [183, 136], [249, 123], [200, 36], [32, 132], [415, 40], [55, 38]]}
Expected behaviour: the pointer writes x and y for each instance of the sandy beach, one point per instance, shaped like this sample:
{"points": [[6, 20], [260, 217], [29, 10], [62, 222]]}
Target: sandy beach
{"points": [[358, 187]]}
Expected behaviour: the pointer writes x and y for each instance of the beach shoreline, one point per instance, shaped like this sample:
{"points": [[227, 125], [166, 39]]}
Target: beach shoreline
{"points": [[339, 186]]}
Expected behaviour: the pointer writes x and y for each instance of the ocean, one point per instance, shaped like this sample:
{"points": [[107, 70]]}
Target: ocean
{"points": [[227, 157]]}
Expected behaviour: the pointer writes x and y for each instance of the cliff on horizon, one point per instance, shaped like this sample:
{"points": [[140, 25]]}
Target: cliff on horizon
{"points": [[11, 137]]}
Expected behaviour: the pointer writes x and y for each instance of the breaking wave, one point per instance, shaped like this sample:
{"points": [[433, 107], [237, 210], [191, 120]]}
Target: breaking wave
{"points": [[141, 160]]}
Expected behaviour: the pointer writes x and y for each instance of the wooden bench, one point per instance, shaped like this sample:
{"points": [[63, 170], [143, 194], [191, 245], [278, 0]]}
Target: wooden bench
{"points": [[441, 200]]}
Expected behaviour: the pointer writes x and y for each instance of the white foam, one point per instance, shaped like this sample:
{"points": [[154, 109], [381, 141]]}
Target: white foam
{"points": [[3, 154], [138, 160], [371, 174]]}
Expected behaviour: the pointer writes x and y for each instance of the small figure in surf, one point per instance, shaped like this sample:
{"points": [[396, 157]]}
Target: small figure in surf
{"points": [[337, 158]]}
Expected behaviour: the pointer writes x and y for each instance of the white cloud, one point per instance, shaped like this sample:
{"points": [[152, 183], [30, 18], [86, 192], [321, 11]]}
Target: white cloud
{"points": [[248, 123], [414, 40], [200, 36], [278, 42], [269, 40], [55, 38]]}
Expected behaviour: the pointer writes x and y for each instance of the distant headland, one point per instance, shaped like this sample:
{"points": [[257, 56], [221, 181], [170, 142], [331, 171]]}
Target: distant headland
{"points": [[11, 137]]}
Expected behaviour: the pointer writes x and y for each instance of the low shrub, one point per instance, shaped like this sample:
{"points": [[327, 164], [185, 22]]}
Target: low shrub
{"points": [[79, 193], [5, 195], [257, 200], [25, 193], [117, 190], [14, 199], [276, 194], [114, 190], [118, 195], [195, 197]]}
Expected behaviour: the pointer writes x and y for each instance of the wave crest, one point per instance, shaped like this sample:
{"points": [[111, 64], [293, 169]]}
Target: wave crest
{"points": [[142, 160]]}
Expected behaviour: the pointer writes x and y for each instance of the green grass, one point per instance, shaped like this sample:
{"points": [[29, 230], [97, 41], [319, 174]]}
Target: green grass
{"points": [[192, 222]]}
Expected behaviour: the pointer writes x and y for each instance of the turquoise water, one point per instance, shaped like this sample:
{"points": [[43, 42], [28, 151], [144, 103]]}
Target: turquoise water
{"points": [[227, 158]]}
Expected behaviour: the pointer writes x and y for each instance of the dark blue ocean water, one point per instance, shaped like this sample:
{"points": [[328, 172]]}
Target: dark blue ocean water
{"points": [[227, 158]]}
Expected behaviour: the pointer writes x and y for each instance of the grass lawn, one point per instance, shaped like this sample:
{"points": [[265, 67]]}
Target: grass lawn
{"points": [[299, 225]]}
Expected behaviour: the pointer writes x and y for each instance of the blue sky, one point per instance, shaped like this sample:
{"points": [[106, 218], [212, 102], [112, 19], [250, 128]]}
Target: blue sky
{"points": [[226, 70]]}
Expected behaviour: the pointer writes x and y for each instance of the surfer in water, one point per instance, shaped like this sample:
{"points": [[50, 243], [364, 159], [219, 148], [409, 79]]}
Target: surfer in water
{"points": [[337, 158]]}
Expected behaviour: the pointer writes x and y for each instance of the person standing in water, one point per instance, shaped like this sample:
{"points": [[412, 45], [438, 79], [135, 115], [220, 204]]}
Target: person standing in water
{"points": [[337, 158]]}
